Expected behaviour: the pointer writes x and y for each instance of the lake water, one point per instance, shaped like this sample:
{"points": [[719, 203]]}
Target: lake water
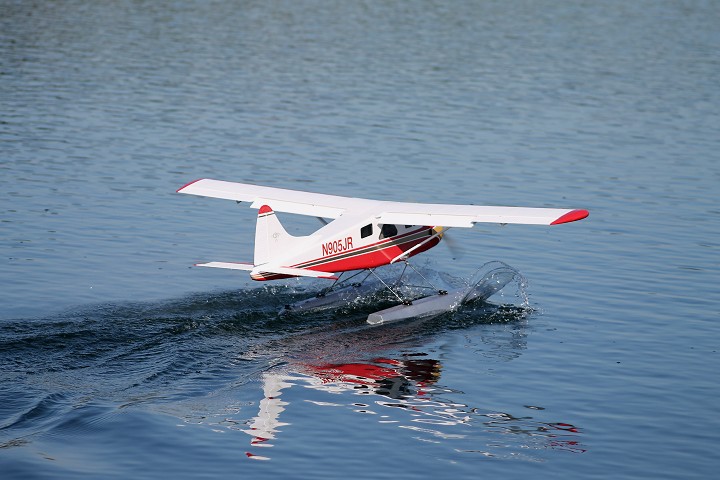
{"points": [[120, 360]]}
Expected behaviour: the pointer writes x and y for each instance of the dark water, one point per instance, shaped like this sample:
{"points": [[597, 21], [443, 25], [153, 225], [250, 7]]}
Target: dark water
{"points": [[117, 360]]}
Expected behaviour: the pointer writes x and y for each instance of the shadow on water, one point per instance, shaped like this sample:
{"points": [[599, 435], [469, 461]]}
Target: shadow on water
{"points": [[196, 357]]}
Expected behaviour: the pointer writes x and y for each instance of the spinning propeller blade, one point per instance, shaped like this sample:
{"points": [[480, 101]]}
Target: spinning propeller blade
{"points": [[456, 249]]}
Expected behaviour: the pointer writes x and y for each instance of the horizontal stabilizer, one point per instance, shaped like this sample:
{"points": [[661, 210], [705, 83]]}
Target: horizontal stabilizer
{"points": [[262, 270], [229, 265], [266, 270]]}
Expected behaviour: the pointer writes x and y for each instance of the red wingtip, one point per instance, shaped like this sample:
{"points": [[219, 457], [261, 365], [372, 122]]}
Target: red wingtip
{"points": [[571, 216], [187, 185], [265, 209]]}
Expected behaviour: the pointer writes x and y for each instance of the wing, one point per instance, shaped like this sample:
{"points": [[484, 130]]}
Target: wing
{"points": [[469, 215], [399, 213], [281, 199]]}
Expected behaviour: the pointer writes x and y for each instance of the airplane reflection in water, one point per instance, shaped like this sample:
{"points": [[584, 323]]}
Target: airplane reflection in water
{"points": [[408, 384]]}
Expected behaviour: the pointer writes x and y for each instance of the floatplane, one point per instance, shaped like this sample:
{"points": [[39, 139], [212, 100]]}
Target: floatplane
{"points": [[360, 235]]}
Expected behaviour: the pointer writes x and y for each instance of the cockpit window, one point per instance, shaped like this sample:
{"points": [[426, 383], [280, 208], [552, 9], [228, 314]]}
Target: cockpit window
{"points": [[388, 230], [366, 231]]}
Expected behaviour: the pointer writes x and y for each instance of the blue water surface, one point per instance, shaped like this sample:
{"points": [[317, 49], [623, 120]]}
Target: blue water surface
{"points": [[118, 359]]}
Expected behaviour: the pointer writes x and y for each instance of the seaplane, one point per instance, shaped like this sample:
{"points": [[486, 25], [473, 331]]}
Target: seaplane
{"points": [[359, 235]]}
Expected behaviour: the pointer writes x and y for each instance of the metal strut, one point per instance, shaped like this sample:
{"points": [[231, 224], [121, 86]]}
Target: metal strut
{"points": [[440, 291], [337, 282], [392, 289], [402, 300]]}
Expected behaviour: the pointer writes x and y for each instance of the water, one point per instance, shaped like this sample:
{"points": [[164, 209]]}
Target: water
{"points": [[119, 360]]}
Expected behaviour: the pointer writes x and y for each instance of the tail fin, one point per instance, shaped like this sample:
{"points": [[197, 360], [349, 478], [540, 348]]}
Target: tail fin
{"points": [[271, 239]]}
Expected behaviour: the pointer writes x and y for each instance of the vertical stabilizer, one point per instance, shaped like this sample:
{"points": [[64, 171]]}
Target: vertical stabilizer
{"points": [[272, 241]]}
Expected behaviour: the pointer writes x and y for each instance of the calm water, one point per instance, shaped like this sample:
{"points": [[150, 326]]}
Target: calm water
{"points": [[118, 360]]}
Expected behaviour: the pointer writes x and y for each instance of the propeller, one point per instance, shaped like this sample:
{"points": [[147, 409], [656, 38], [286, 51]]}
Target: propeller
{"points": [[456, 249]]}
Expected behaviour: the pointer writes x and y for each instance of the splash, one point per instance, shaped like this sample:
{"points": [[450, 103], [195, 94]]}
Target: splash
{"points": [[486, 282], [492, 277], [422, 291]]}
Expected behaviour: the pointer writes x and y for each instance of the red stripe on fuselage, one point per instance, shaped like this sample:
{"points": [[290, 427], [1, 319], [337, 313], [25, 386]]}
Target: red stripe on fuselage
{"points": [[371, 248], [375, 258], [376, 255]]}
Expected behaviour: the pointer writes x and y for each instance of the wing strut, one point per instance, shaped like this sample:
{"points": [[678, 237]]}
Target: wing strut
{"points": [[438, 233]]}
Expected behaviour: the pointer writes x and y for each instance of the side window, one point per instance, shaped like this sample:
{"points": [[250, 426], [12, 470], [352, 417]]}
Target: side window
{"points": [[388, 230], [366, 231]]}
